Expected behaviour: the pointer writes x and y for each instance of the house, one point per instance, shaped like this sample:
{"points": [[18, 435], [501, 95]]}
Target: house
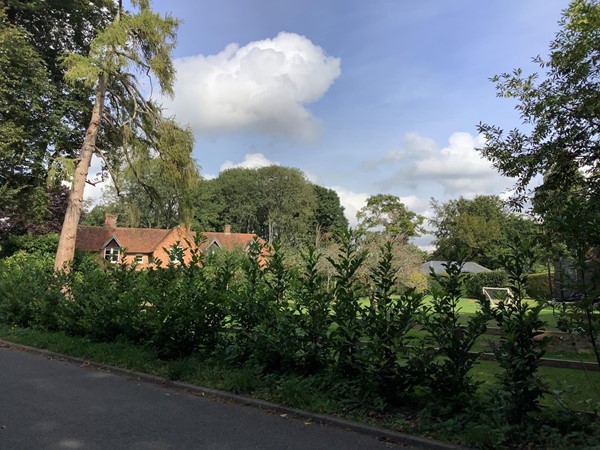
{"points": [[438, 267], [144, 246], [227, 240]]}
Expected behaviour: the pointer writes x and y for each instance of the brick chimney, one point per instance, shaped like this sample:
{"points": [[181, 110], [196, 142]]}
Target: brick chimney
{"points": [[227, 229], [110, 221]]}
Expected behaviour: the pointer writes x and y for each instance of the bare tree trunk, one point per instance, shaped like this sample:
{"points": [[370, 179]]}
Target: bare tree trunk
{"points": [[68, 234]]}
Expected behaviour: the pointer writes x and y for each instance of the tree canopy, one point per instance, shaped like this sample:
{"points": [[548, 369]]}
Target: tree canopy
{"points": [[133, 44], [560, 139], [41, 116], [386, 214], [480, 229], [560, 110], [273, 202]]}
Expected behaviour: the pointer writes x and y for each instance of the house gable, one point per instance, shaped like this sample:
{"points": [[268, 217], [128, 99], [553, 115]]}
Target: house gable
{"points": [[145, 245]]}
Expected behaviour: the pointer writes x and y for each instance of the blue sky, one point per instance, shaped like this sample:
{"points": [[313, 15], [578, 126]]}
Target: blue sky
{"points": [[367, 97]]}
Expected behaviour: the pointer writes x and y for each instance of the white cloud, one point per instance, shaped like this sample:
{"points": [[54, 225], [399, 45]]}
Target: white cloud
{"points": [[263, 87], [456, 161], [458, 167], [310, 176], [251, 161], [352, 203], [415, 204]]}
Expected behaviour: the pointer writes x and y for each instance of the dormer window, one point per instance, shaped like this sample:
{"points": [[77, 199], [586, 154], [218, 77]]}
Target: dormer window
{"points": [[111, 254], [214, 246]]}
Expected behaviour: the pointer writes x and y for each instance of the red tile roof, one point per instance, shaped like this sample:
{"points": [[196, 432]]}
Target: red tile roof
{"points": [[229, 241], [135, 240], [146, 240]]}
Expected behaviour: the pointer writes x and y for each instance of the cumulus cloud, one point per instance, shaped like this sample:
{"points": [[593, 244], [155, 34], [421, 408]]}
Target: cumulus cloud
{"points": [[263, 87], [458, 167], [352, 203], [251, 161]]}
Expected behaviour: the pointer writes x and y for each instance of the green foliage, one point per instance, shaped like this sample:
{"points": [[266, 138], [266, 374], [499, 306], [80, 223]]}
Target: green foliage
{"points": [[560, 107], [274, 202], [347, 308], [387, 212], [475, 282], [448, 373], [518, 350], [28, 290], [29, 244], [479, 229], [389, 320], [312, 309], [275, 342], [538, 286], [330, 220], [40, 114]]}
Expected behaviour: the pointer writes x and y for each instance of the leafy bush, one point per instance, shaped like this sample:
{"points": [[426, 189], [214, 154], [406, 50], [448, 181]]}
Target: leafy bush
{"points": [[537, 286], [389, 320], [29, 291], [312, 305], [413, 280], [517, 351], [45, 244], [448, 372], [475, 282], [347, 309]]}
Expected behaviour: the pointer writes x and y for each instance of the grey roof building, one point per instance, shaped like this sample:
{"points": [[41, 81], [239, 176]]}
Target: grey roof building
{"points": [[438, 266]]}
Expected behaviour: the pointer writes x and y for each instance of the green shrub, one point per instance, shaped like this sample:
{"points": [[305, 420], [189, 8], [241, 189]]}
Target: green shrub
{"points": [[448, 374], [537, 286], [518, 350], [187, 309], [475, 282], [29, 291], [45, 244]]}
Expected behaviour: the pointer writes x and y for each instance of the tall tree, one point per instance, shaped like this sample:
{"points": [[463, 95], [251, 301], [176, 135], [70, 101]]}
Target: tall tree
{"points": [[288, 203], [140, 42], [40, 114], [273, 202], [560, 111], [329, 213], [23, 86], [480, 228], [386, 214]]}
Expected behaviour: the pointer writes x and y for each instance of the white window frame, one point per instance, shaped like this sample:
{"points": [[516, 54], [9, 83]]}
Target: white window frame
{"points": [[139, 258], [112, 254]]}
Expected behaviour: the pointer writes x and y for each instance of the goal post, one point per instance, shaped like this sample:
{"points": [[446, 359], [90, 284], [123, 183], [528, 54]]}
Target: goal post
{"points": [[496, 295]]}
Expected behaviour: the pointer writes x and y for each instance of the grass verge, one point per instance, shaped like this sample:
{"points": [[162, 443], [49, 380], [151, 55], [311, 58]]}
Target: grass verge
{"points": [[571, 388]]}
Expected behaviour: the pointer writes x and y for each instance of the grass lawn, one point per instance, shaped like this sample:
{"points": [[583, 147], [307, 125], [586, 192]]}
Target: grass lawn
{"points": [[576, 389], [469, 307]]}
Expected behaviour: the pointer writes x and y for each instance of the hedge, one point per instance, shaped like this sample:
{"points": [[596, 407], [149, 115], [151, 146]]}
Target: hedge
{"points": [[537, 286], [475, 282]]}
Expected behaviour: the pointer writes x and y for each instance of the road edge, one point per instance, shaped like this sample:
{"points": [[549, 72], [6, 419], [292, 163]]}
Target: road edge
{"points": [[382, 434]]}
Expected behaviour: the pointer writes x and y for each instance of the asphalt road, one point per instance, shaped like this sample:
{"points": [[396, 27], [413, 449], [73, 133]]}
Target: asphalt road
{"points": [[51, 404]]}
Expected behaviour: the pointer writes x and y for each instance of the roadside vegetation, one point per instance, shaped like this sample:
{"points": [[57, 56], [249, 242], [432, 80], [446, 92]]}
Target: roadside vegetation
{"points": [[365, 347]]}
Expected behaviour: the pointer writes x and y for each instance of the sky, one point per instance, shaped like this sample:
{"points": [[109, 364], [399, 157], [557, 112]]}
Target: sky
{"points": [[365, 97]]}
